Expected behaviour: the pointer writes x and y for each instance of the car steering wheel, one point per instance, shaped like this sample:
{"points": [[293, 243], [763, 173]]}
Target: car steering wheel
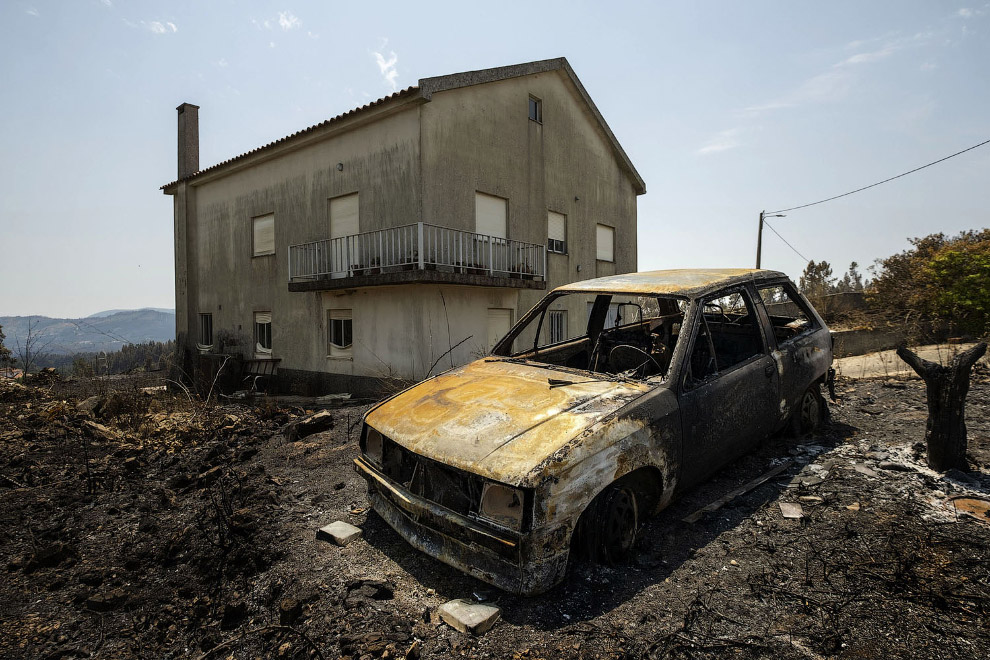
{"points": [[620, 356]]}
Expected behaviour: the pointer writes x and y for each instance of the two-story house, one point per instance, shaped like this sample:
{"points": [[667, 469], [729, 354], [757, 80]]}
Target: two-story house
{"points": [[403, 237]]}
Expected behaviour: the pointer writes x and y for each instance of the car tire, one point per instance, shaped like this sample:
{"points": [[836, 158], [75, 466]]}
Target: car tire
{"points": [[810, 412], [611, 524]]}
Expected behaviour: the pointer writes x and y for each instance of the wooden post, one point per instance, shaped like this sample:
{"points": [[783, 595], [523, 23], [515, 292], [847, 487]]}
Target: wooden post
{"points": [[946, 386]]}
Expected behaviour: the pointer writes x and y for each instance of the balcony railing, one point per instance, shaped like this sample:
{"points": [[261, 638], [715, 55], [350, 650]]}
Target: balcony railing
{"points": [[418, 246]]}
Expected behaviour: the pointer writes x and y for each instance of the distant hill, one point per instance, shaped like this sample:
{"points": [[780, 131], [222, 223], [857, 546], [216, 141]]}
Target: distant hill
{"points": [[143, 309], [106, 331]]}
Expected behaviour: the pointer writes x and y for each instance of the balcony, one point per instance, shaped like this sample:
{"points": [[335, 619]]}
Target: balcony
{"points": [[416, 253]]}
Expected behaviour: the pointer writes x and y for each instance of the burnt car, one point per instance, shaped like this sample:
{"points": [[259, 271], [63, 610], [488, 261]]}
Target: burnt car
{"points": [[605, 401]]}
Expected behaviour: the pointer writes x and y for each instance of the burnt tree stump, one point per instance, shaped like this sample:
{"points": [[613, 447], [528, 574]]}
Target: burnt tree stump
{"points": [[946, 386]]}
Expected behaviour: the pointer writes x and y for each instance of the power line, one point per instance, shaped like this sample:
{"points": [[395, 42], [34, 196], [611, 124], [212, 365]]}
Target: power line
{"points": [[785, 241], [874, 185]]}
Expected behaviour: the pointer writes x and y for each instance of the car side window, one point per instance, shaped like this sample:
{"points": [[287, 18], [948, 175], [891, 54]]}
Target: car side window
{"points": [[789, 315], [727, 334]]}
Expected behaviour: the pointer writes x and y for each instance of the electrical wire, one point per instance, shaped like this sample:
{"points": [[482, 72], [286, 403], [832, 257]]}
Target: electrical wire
{"points": [[785, 241], [874, 185]]}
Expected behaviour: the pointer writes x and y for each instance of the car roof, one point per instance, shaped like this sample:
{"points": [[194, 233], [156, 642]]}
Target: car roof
{"points": [[686, 282]]}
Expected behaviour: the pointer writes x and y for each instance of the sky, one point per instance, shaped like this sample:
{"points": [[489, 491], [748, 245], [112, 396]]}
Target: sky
{"points": [[725, 108]]}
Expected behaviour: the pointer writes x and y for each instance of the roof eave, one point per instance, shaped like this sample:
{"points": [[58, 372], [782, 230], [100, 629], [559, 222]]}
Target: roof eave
{"points": [[344, 122]]}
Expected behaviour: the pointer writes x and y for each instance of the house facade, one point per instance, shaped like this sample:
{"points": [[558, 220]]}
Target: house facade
{"points": [[404, 237]]}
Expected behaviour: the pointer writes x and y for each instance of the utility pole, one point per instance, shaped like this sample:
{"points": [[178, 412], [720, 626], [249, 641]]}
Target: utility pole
{"points": [[759, 234], [759, 240]]}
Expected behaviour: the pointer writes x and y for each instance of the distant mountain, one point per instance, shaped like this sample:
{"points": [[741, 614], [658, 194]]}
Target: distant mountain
{"points": [[143, 309], [106, 331]]}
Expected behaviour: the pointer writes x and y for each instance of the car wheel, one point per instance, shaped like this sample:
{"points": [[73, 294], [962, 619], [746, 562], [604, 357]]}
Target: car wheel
{"points": [[610, 529], [810, 412]]}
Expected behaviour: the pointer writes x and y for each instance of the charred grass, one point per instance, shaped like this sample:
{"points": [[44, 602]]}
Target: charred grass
{"points": [[150, 525]]}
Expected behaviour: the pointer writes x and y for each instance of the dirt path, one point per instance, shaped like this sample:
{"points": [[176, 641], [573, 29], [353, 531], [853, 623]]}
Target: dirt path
{"points": [[153, 528]]}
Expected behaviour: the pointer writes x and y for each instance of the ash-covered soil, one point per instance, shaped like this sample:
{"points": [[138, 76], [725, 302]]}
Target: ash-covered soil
{"points": [[151, 526]]}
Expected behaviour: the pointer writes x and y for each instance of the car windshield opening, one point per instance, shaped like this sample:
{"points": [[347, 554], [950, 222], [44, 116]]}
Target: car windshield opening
{"points": [[621, 334]]}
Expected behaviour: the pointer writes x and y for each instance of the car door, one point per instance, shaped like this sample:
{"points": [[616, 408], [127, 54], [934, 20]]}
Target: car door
{"points": [[728, 385], [803, 346]]}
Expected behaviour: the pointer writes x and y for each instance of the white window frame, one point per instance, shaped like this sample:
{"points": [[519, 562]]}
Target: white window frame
{"points": [[556, 236], [345, 317], [261, 334], [605, 243], [263, 235]]}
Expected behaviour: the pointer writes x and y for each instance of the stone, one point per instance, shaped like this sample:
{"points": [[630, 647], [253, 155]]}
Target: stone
{"points": [[104, 602], [896, 467], [90, 404], [338, 532], [862, 469], [791, 510], [469, 617]]}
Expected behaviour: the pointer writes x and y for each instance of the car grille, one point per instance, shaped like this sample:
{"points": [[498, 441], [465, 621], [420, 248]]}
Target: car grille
{"points": [[441, 484]]}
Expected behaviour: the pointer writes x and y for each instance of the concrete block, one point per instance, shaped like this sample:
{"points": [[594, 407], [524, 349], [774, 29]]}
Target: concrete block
{"points": [[338, 532], [469, 617], [791, 510]]}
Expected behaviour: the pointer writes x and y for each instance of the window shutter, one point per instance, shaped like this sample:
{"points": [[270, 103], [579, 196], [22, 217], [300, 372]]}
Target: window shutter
{"points": [[606, 243], [490, 214], [344, 216], [264, 234], [556, 226]]}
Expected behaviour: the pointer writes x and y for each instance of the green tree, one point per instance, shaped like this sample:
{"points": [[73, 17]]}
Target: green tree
{"points": [[816, 283], [940, 278]]}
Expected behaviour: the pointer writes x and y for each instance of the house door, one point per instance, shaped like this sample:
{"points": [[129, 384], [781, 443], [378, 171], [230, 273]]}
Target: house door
{"points": [[499, 322], [345, 248], [490, 217]]}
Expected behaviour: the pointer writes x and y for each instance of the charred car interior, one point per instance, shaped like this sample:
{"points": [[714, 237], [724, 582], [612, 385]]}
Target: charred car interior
{"points": [[602, 403]]}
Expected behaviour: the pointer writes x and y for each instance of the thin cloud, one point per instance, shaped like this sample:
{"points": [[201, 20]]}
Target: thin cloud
{"points": [[722, 141], [387, 68], [288, 21], [158, 27], [222, 63], [965, 12], [107, 3], [31, 11], [835, 83]]}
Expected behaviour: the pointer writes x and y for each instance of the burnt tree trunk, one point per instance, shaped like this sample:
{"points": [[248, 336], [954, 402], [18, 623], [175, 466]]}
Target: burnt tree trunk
{"points": [[946, 385]]}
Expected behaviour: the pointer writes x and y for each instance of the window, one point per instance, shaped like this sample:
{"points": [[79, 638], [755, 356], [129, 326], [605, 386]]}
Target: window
{"points": [[788, 313], [344, 216], [536, 109], [205, 331], [558, 325], [340, 331], [262, 334], [606, 242], [556, 232], [490, 215], [728, 334], [264, 234]]}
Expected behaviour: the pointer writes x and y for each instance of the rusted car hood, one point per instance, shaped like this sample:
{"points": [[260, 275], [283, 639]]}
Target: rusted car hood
{"points": [[497, 418]]}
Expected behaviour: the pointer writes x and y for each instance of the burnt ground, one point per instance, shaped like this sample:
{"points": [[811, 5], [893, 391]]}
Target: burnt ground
{"points": [[153, 526]]}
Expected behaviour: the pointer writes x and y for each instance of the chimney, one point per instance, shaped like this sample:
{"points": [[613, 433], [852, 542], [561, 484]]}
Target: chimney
{"points": [[188, 139]]}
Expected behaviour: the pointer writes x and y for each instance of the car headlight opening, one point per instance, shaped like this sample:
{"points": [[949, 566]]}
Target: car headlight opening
{"points": [[502, 505], [373, 445]]}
